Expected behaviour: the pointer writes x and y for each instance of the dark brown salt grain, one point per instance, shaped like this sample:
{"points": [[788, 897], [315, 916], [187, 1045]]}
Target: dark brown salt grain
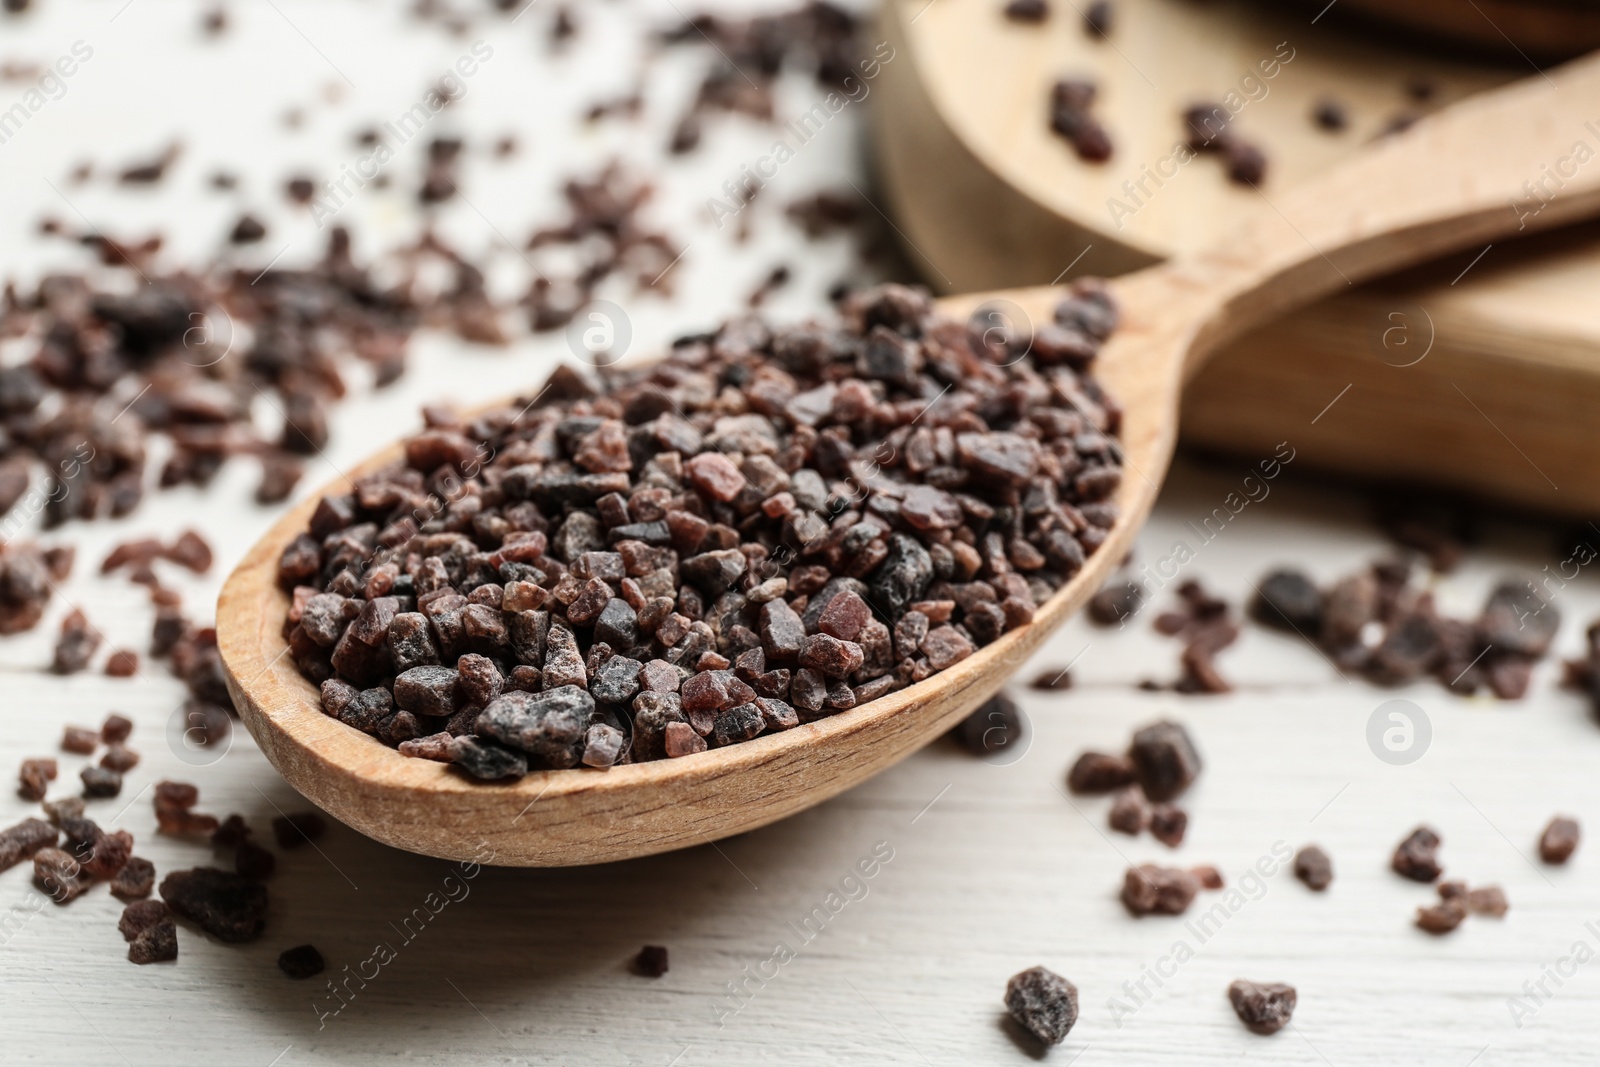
{"points": [[1263, 1007], [157, 943], [1168, 824], [1443, 917], [254, 862], [1416, 857], [1070, 100], [207, 724], [248, 230], [1027, 10], [996, 726], [1151, 890], [230, 832], [486, 760], [34, 778], [58, 875], [27, 573], [107, 854], [100, 782], [1043, 1003], [190, 550], [302, 961], [651, 962], [135, 880], [1329, 114], [79, 740], [680, 739], [63, 809], [1115, 603], [1097, 772], [1165, 760], [1052, 680], [176, 794], [139, 916], [1399, 122], [280, 473], [1206, 626], [1559, 840], [152, 171], [1130, 813], [1247, 164], [1488, 900], [1288, 600], [1210, 129], [119, 758], [76, 644], [1097, 18], [435, 747], [131, 554], [173, 803], [225, 905], [22, 840], [1207, 126], [298, 829], [1313, 867], [81, 834]]}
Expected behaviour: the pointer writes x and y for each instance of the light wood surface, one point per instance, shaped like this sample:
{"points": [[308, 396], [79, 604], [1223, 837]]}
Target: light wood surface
{"points": [[1441, 186], [986, 196]]}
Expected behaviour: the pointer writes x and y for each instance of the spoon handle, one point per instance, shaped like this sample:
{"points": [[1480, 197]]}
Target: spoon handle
{"points": [[1507, 162]]}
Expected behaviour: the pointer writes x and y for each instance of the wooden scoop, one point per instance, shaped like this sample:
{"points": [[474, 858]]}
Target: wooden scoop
{"points": [[1440, 367], [1444, 185]]}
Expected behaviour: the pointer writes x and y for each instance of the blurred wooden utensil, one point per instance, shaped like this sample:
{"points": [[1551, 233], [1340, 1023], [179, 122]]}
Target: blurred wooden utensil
{"points": [[1440, 376]]}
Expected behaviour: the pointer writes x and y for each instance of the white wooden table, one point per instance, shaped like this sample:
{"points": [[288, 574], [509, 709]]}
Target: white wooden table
{"points": [[983, 869]]}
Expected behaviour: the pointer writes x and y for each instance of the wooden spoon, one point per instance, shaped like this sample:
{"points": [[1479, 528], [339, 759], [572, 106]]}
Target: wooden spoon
{"points": [[988, 197], [1444, 185]]}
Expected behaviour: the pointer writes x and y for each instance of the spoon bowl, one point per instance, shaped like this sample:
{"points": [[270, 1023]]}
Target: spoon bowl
{"points": [[562, 818], [1449, 183]]}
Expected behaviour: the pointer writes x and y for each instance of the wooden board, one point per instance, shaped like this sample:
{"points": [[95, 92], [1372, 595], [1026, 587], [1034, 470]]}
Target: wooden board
{"points": [[985, 195]]}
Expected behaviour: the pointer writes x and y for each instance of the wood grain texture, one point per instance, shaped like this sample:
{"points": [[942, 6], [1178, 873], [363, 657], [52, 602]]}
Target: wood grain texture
{"points": [[987, 196], [1436, 405]]}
